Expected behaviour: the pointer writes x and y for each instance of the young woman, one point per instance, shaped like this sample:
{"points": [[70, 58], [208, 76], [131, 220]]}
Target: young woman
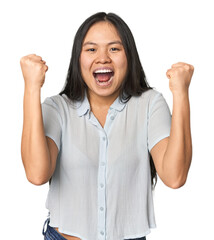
{"points": [[100, 141]]}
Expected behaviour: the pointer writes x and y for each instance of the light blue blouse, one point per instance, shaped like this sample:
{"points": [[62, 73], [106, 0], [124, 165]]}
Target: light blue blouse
{"points": [[101, 188]]}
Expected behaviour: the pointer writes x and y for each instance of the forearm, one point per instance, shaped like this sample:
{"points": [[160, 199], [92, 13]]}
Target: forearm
{"points": [[34, 148], [178, 155]]}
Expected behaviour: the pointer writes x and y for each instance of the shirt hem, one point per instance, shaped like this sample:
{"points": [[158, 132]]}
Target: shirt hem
{"points": [[139, 235], [125, 237]]}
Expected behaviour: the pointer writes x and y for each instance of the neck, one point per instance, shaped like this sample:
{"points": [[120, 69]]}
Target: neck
{"points": [[99, 102]]}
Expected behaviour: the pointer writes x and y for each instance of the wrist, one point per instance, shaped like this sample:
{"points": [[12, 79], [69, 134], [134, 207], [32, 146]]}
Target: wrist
{"points": [[32, 90], [180, 94], [180, 98]]}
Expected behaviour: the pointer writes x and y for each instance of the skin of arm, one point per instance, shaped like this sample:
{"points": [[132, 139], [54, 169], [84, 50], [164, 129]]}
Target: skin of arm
{"points": [[172, 156], [38, 152]]}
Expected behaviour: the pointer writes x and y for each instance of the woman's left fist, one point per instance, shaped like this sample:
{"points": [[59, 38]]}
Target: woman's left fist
{"points": [[180, 76]]}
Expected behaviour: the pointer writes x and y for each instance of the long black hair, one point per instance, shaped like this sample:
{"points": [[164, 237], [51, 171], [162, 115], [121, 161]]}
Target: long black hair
{"points": [[135, 82]]}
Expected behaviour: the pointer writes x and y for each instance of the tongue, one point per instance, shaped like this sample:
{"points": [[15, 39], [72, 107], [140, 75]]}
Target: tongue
{"points": [[103, 77]]}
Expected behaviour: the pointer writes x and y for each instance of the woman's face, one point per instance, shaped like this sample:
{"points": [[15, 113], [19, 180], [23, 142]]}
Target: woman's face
{"points": [[103, 60]]}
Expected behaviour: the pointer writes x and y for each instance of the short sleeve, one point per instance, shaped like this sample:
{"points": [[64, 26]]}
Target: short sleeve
{"points": [[52, 121], [159, 121]]}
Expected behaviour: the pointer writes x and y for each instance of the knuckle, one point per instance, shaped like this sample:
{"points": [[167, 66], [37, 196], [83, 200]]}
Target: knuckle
{"points": [[28, 60], [39, 66], [21, 59], [24, 60], [177, 71], [39, 57], [187, 67]]}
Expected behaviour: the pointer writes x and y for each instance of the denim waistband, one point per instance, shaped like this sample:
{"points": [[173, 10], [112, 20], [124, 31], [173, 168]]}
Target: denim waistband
{"points": [[51, 234]]}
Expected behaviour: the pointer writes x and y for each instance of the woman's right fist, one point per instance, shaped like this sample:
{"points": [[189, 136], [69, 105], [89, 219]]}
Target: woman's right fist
{"points": [[33, 70]]}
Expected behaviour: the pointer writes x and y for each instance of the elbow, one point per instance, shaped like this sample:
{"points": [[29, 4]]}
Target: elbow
{"points": [[37, 181], [175, 184], [36, 175]]}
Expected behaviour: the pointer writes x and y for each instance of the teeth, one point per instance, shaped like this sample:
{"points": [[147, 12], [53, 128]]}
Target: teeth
{"points": [[103, 71]]}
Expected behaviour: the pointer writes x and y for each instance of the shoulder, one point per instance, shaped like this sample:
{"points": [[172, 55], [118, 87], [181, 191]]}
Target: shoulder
{"points": [[58, 101], [147, 97], [151, 94]]}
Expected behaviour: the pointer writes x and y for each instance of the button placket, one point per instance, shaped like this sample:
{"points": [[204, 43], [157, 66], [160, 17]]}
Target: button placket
{"points": [[102, 174], [101, 188]]}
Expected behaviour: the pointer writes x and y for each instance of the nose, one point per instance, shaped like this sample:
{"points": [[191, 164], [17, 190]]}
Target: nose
{"points": [[103, 57]]}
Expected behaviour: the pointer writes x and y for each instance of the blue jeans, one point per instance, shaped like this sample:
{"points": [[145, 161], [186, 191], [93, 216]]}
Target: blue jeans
{"points": [[51, 234]]}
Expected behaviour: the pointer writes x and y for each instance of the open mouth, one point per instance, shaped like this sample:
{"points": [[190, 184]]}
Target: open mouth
{"points": [[103, 76]]}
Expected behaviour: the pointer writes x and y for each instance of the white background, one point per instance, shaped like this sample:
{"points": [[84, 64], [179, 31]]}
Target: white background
{"points": [[166, 32]]}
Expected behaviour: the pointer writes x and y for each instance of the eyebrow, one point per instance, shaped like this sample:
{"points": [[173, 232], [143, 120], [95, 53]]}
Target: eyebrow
{"points": [[110, 43]]}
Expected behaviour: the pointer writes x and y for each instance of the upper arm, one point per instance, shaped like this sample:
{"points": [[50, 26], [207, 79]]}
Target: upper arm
{"points": [[159, 126], [52, 120], [53, 150], [157, 153]]}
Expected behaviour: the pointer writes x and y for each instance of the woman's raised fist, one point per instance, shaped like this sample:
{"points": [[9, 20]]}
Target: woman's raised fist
{"points": [[33, 70]]}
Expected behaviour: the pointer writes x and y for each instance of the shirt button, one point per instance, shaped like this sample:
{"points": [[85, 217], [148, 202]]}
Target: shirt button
{"points": [[101, 209], [101, 185], [103, 163], [104, 138], [102, 233], [112, 117]]}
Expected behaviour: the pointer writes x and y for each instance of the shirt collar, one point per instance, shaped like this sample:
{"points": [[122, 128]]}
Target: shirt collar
{"points": [[118, 105], [84, 106]]}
